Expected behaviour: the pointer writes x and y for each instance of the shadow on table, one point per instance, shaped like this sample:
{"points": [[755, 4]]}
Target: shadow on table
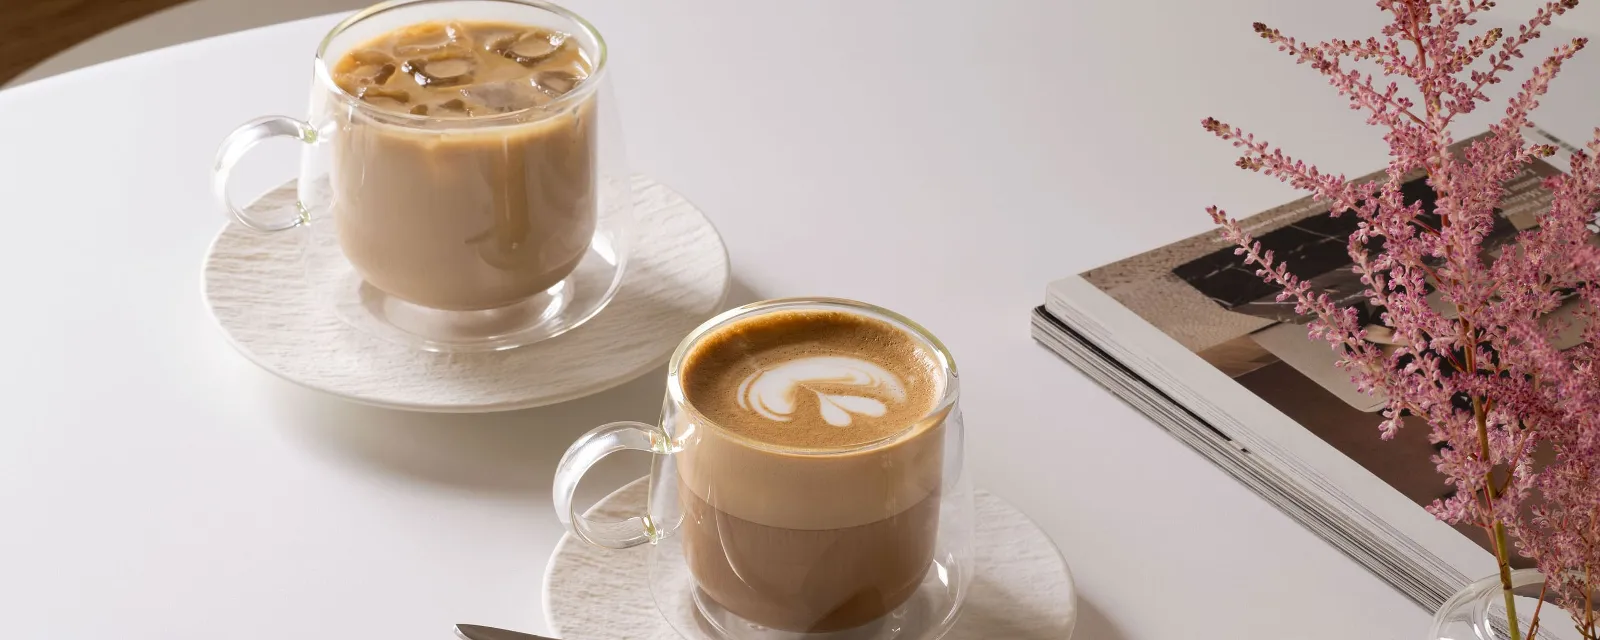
{"points": [[513, 452], [740, 294], [1093, 625], [993, 611]]}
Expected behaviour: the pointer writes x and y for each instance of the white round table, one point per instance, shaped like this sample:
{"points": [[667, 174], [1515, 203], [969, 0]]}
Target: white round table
{"points": [[942, 159]]}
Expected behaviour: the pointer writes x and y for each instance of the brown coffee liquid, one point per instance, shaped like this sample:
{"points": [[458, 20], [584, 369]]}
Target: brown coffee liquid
{"points": [[812, 379], [462, 69], [809, 580]]}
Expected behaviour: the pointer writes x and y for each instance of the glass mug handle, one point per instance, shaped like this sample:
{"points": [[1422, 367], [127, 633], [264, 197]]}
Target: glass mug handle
{"points": [[594, 445], [239, 143]]}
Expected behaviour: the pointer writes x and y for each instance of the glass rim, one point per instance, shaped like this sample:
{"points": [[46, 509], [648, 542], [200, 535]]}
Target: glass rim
{"points": [[584, 89], [947, 398]]}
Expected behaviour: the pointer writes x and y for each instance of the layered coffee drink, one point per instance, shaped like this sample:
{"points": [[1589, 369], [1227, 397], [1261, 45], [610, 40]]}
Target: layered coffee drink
{"points": [[811, 488], [464, 179]]}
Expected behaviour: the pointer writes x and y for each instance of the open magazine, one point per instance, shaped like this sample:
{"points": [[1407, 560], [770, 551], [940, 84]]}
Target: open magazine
{"points": [[1194, 339]]}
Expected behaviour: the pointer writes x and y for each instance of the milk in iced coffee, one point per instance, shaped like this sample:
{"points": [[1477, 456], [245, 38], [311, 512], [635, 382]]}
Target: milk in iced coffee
{"points": [[463, 176]]}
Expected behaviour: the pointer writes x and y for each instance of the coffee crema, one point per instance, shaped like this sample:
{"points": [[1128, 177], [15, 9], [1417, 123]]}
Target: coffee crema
{"points": [[812, 379], [811, 500]]}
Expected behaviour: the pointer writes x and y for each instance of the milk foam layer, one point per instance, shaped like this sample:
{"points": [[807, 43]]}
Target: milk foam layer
{"points": [[771, 392]]}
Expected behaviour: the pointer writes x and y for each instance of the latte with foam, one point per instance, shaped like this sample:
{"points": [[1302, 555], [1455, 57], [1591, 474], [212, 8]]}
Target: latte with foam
{"points": [[811, 497], [812, 379]]}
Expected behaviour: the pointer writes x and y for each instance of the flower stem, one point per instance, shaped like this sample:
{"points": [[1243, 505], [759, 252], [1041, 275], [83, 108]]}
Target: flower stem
{"points": [[1502, 548], [1533, 627], [1500, 545]]}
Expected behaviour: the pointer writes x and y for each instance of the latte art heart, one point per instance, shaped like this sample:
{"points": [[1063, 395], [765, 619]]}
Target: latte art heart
{"points": [[813, 379], [773, 393]]}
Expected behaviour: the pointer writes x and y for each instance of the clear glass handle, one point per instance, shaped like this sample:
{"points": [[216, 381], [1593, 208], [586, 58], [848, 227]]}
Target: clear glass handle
{"points": [[239, 143], [599, 443]]}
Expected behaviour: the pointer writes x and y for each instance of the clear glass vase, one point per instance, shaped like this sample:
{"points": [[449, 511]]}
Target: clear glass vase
{"points": [[1478, 611]]}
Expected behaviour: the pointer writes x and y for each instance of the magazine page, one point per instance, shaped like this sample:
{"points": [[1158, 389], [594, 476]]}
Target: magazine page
{"points": [[1214, 335]]}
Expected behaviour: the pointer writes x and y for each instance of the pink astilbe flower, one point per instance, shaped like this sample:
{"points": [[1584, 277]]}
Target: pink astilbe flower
{"points": [[1485, 375]]}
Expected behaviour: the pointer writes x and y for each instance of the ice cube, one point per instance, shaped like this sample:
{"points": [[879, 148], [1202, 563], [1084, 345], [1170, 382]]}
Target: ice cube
{"points": [[394, 99], [363, 68], [504, 97], [432, 39], [498, 42], [454, 107], [383, 92], [556, 82], [370, 56], [371, 74], [445, 71], [535, 48]]}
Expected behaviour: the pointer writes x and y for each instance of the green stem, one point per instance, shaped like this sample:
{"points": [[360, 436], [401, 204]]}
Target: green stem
{"points": [[1505, 580], [1502, 549]]}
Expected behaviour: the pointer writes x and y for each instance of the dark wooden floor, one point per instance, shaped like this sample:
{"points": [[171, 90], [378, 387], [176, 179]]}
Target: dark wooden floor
{"points": [[32, 30]]}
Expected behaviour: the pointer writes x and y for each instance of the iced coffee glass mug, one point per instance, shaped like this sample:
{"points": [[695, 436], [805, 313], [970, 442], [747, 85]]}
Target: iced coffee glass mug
{"points": [[489, 220], [755, 539]]}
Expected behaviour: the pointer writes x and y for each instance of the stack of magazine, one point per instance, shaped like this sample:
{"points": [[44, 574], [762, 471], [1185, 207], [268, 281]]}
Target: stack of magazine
{"points": [[1194, 339]]}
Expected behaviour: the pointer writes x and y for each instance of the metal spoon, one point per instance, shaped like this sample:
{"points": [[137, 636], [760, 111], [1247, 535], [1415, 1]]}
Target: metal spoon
{"points": [[477, 632]]}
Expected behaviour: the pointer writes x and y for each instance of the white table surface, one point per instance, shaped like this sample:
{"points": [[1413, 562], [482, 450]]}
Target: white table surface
{"points": [[945, 160]]}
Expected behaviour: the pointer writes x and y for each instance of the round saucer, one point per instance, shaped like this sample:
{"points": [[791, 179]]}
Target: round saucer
{"points": [[677, 277], [1023, 589]]}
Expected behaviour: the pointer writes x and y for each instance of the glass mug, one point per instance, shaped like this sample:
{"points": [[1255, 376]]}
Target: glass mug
{"points": [[751, 539], [452, 232]]}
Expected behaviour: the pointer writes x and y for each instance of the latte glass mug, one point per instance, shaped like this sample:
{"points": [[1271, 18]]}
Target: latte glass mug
{"points": [[753, 540], [486, 228]]}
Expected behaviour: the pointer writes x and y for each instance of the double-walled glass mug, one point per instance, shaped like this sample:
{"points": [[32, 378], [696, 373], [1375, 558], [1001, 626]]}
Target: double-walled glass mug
{"points": [[760, 524], [462, 183]]}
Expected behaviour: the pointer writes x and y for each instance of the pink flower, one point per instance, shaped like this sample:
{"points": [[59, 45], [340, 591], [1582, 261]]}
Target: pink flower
{"points": [[1486, 377]]}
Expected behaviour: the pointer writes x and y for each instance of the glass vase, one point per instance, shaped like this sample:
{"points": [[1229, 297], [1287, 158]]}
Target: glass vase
{"points": [[1478, 611]]}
